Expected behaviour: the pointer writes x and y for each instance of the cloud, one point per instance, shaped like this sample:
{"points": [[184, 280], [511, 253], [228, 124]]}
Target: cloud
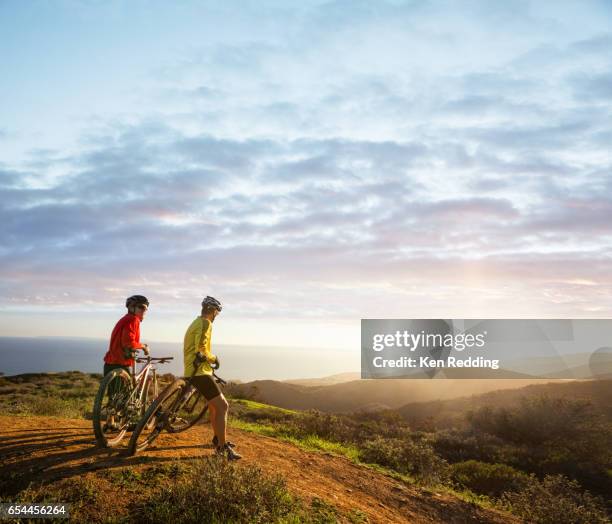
{"points": [[332, 211], [593, 87], [339, 157], [598, 45]]}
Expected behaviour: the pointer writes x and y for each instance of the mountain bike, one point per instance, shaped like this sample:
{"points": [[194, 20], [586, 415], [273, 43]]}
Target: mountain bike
{"points": [[122, 400], [176, 409]]}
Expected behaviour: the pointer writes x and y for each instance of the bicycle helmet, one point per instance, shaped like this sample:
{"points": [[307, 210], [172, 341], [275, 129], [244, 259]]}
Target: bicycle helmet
{"points": [[136, 300], [212, 302]]}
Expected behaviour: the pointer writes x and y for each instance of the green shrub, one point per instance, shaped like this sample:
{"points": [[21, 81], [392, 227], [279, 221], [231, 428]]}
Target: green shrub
{"points": [[551, 436], [537, 420], [369, 425], [220, 491], [459, 446], [555, 500], [80, 492], [356, 428], [325, 425], [488, 479], [415, 458]]}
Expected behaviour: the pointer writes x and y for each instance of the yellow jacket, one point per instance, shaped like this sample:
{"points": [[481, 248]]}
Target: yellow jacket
{"points": [[197, 338]]}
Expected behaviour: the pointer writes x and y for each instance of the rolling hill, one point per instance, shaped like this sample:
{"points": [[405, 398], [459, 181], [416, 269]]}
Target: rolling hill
{"points": [[371, 394], [447, 413]]}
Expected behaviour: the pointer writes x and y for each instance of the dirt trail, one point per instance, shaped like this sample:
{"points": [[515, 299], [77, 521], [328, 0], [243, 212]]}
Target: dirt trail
{"points": [[45, 449]]}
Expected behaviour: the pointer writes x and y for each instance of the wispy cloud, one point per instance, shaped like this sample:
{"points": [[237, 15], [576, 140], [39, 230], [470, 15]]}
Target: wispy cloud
{"points": [[337, 161]]}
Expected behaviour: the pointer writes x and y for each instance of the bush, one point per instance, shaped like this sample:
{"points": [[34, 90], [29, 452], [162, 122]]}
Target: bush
{"points": [[537, 420], [555, 500], [369, 425], [220, 491], [80, 492], [488, 479], [552, 436], [415, 458], [337, 428], [459, 446], [356, 428]]}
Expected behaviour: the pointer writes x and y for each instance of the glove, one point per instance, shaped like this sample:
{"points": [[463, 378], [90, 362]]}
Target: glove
{"points": [[145, 349], [216, 364], [199, 359]]}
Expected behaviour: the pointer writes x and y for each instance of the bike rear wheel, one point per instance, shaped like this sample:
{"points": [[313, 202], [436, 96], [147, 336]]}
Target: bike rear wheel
{"points": [[155, 419], [110, 411]]}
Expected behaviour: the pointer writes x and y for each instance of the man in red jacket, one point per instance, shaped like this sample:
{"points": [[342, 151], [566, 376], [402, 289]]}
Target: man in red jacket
{"points": [[125, 338]]}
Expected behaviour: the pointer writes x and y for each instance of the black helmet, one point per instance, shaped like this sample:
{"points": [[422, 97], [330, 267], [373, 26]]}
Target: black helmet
{"points": [[136, 300], [212, 302]]}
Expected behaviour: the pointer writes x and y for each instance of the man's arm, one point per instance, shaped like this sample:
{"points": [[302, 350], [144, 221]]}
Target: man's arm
{"points": [[130, 339], [202, 344]]}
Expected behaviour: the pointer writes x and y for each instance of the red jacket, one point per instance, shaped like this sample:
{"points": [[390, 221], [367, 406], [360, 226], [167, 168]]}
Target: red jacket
{"points": [[126, 334]]}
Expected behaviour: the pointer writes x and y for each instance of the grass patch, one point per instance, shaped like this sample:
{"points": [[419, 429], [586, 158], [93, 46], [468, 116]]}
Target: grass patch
{"points": [[251, 404], [253, 427], [82, 493], [307, 442], [314, 443], [68, 394]]}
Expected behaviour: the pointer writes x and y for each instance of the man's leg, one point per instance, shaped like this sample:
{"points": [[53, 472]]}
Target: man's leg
{"points": [[218, 417], [218, 413], [212, 414]]}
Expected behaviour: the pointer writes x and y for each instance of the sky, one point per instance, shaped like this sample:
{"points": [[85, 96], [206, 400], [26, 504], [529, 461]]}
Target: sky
{"points": [[308, 163]]}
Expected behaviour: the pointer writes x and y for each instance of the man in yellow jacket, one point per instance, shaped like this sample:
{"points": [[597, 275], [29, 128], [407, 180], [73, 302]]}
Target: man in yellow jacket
{"points": [[199, 357]]}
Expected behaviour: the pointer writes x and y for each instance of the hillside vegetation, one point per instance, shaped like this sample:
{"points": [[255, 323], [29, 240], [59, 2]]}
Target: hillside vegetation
{"points": [[541, 453]]}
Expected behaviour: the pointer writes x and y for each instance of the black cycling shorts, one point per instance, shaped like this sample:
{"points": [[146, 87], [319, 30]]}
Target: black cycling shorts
{"points": [[206, 385]]}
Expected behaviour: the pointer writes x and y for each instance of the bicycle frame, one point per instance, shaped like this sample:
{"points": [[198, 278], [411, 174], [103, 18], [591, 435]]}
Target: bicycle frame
{"points": [[137, 396], [162, 415], [140, 380], [116, 409], [189, 392]]}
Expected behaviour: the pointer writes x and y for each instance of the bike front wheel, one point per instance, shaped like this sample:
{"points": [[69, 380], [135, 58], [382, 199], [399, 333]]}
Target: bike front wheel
{"points": [[190, 409], [155, 419]]}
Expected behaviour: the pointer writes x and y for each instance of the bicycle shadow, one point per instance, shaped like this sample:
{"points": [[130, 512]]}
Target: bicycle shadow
{"points": [[59, 454], [35, 438]]}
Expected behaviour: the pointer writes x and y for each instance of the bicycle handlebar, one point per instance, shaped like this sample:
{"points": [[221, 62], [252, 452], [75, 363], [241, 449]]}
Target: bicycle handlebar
{"points": [[219, 379], [161, 360]]}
